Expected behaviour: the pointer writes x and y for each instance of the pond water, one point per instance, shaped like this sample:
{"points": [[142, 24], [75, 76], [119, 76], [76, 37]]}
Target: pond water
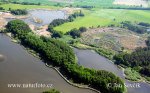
{"points": [[43, 16], [91, 59], [19, 67]]}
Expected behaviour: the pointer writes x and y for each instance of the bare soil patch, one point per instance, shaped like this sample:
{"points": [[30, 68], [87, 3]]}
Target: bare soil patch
{"points": [[41, 31], [113, 38]]}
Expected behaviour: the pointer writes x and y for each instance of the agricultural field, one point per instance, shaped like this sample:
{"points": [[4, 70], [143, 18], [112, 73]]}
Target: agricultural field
{"points": [[96, 3], [105, 17], [113, 38], [19, 6]]}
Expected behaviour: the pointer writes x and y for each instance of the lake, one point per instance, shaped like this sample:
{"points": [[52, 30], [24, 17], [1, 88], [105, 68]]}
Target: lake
{"points": [[91, 59], [45, 16], [19, 67]]}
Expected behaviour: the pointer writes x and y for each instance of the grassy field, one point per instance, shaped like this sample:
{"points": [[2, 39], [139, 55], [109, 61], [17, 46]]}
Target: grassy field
{"points": [[96, 3], [104, 17], [19, 6]]}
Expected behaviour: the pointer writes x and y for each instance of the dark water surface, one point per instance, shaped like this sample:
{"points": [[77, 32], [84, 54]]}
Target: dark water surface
{"points": [[19, 67], [93, 60]]}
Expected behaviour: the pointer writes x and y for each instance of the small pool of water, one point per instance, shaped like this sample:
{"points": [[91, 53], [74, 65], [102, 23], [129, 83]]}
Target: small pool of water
{"points": [[45, 16]]}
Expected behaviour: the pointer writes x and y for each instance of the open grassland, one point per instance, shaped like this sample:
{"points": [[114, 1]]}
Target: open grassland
{"points": [[19, 6], [105, 17], [96, 3], [45, 2]]}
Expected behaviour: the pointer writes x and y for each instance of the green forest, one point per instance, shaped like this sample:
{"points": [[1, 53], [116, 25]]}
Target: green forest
{"points": [[139, 59]]}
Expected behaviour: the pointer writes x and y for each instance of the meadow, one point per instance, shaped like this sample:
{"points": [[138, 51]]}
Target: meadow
{"points": [[19, 6], [105, 17], [96, 3]]}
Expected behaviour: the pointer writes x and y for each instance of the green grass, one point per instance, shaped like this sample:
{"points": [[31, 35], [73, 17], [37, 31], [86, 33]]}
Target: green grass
{"points": [[19, 6], [132, 75], [97, 3], [105, 17]]}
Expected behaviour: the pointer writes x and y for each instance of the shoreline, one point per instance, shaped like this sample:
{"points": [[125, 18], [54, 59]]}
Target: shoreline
{"points": [[35, 55], [118, 66]]}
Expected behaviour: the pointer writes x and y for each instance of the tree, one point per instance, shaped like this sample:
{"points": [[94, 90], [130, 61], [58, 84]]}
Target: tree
{"points": [[82, 29], [75, 33], [148, 41], [19, 12], [18, 27], [57, 34]]}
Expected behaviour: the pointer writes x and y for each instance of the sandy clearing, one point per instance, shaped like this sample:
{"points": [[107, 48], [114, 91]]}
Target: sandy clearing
{"points": [[41, 31]]}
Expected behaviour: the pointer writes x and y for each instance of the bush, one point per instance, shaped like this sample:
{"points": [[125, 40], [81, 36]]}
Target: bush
{"points": [[148, 41], [146, 71], [75, 33], [19, 12]]}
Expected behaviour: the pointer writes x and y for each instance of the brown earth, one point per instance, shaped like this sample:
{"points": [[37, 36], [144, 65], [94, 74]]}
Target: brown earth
{"points": [[41, 31], [113, 38]]}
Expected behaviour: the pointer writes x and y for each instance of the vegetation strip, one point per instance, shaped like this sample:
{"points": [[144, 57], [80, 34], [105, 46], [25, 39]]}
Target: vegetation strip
{"points": [[71, 82]]}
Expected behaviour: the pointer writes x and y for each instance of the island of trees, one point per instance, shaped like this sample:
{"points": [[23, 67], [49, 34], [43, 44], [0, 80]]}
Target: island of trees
{"points": [[60, 54]]}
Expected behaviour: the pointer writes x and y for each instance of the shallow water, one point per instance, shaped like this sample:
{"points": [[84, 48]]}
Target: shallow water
{"points": [[46, 16], [20, 67], [91, 59]]}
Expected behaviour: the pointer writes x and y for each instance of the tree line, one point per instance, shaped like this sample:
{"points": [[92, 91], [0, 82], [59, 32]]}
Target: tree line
{"points": [[57, 22], [60, 54], [139, 59], [144, 24], [19, 12], [17, 2], [134, 27]]}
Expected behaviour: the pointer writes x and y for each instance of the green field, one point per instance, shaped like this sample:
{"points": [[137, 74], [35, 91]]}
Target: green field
{"points": [[96, 3], [19, 6], [104, 17]]}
